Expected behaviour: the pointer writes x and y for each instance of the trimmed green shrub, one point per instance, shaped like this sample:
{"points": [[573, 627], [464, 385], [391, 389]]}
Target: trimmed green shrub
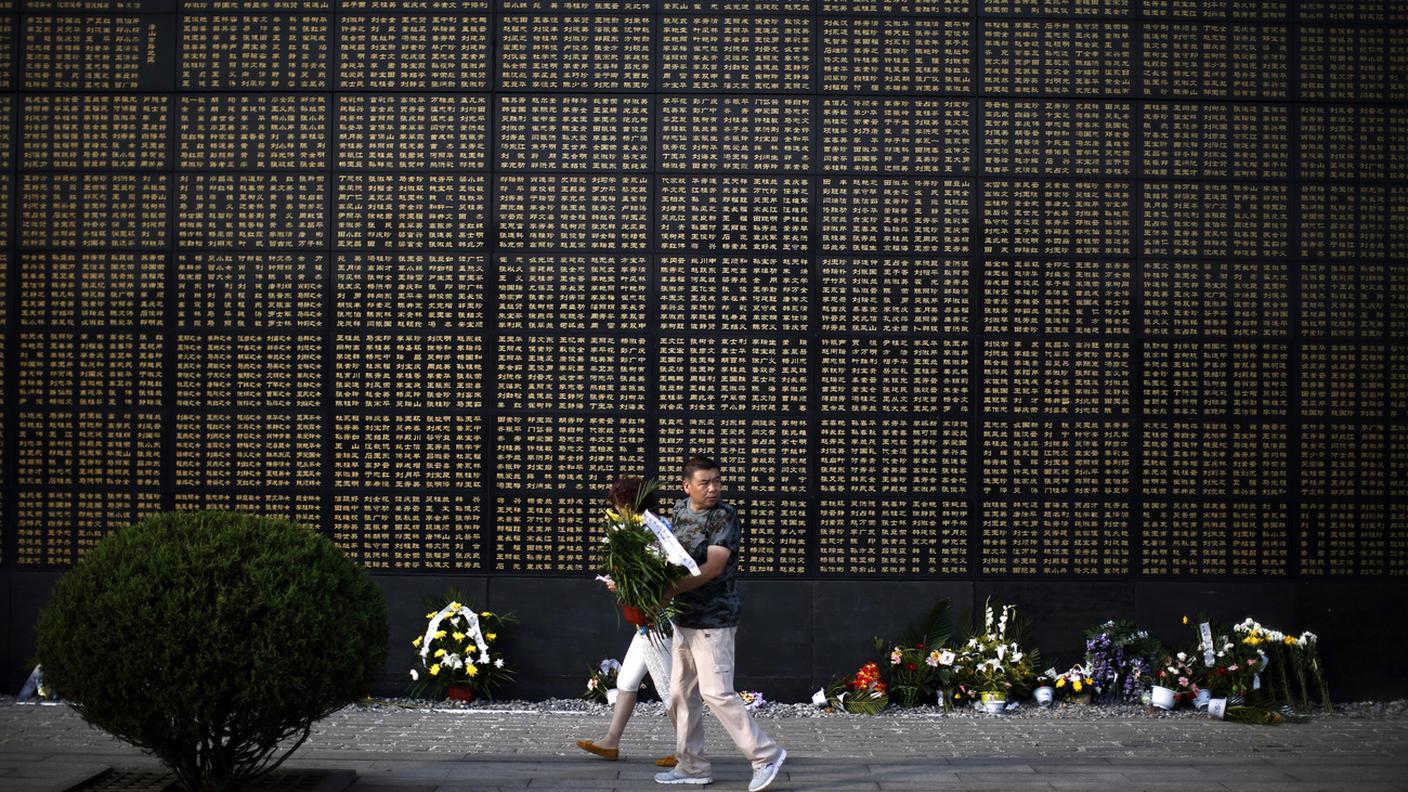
{"points": [[213, 640]]}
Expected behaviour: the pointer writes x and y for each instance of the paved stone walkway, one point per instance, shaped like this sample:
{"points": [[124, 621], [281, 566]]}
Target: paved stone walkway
{"points": [[49, 748]]}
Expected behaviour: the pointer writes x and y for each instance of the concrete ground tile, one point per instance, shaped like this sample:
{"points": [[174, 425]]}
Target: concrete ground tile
{"points": [[1082, 780], [382, 786], [982, 770], [1386, 774], [1043, 767], [840, 784], [1302, 786], [1148, 786], [1173, 772], [899, 771], [983, 785], [553, 782]]}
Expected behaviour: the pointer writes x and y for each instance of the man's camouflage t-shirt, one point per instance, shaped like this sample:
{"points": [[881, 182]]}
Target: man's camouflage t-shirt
{"points": [[714, 604]]}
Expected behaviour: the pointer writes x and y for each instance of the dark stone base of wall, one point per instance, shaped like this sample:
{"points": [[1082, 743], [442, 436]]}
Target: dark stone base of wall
{"points": [[794, 636]]}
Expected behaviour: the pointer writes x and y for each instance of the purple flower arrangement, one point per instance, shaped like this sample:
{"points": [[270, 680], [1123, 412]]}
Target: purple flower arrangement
{"points": [[1120, 658]]}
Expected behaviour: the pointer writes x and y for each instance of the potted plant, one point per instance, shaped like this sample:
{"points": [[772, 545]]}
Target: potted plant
{"points": [[1045, 691], [457, 655], [994, 663], [630, 556], [1076, 685], [1175, 681]]}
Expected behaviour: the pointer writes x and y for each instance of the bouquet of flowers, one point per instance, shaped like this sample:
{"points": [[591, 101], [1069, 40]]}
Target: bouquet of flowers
{"points": [[1283, 658], [919, 665], [863, 693], [631, 557], [993, 661], [1121, 658], [601, 679], [1177, 673], [457, 655], [916, 672], [753, 700], [1075, 682]]}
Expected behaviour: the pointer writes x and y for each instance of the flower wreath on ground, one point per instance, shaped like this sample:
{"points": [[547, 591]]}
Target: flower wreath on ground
{"points": [[458, 649]]}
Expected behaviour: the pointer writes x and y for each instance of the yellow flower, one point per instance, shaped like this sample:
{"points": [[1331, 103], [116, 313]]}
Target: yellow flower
{"points": [[613, 516], [430, 615], [457, 635], [1290, 640], [1076, 686], [468, 649], [1061, 682], [439, 634], [439, 652], [490, 636], [472, 670], [455, 607], [416, 642], [1185, 619], [435, 670], [485, 614]]}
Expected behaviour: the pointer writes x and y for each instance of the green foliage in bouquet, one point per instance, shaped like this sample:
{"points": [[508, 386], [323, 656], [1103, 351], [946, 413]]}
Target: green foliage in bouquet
{"points": [[919, 663], [631, 556], [212, 640], [460, 646]]}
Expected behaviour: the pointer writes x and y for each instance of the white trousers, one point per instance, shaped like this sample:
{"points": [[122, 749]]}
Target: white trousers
{"points": [[648, 653]]}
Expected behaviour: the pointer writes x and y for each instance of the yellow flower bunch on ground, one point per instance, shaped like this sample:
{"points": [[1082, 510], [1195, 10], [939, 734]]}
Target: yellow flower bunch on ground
{"points": [[454, 649]]}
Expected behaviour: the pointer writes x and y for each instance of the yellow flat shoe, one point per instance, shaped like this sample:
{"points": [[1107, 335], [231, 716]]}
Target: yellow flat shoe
{"points": [[668, 761], [592, 748]]}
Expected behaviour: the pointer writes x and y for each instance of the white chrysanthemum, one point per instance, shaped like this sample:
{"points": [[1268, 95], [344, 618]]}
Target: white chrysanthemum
{"points": [[414, 675], [499, 663]]}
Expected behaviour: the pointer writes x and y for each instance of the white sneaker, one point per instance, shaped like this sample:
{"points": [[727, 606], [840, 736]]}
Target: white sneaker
{"points": [[674, 776], [764, 775]]}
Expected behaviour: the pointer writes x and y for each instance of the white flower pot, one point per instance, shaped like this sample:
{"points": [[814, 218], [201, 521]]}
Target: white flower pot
{"points": [[1163, 697], [994, 703], [611, 696], [1217, 708], [1044, 695], [1201, 702]]}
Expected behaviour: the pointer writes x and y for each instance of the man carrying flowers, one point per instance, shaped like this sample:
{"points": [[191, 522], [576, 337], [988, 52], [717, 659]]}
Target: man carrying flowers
{"points": [[705, 625]]}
